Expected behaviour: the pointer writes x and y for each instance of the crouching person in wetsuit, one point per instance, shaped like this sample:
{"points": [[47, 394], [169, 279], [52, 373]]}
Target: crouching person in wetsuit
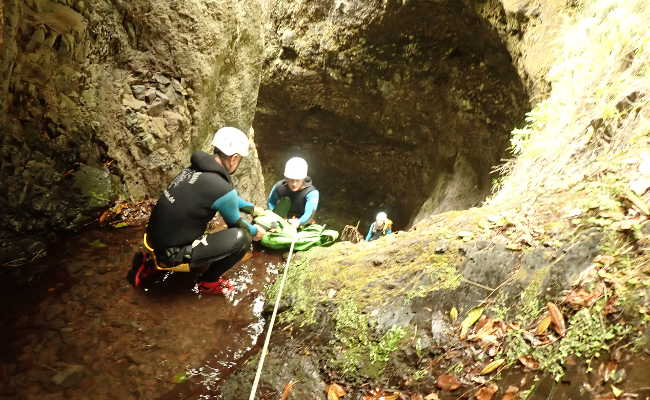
{"points": [[381, 227], [176, 229], [295, 197]]}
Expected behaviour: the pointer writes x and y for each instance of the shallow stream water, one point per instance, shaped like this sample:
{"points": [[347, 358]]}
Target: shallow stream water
{"points": [[78, 330]]}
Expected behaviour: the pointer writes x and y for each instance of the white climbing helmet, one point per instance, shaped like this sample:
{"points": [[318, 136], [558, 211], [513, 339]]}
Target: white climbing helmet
{"points": [[381, 216], [230, 140], [295, 168]]}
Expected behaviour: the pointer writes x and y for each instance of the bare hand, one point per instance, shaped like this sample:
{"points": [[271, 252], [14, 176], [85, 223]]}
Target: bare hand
{"points": [[260, 233]]}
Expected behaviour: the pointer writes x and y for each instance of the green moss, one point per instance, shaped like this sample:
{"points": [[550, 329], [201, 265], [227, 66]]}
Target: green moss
{"points": [[358, 285], [404, 274], [360, 354], [530, 303], [441, 274], [299, 290], [589, 332], [95, 186], [588, 335]]}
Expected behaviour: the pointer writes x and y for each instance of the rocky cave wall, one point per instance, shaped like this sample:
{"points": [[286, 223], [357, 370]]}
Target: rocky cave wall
{"points": [[105, 100], [400, 106]]}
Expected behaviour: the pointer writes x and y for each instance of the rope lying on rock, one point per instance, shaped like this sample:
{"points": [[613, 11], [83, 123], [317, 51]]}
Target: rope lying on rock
{"points": [[275, 311]]}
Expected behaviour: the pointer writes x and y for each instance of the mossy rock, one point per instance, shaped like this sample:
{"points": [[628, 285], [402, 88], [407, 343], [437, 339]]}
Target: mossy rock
{"points": [[95, 187]]}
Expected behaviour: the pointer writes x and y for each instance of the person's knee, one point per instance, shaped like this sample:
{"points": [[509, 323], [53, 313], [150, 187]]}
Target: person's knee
{"points": [[242, 240]]}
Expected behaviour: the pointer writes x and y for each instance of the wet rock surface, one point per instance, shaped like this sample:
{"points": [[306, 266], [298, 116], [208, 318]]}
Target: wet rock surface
{"points": [[78, 330], [420, 278], [398, 106], [106, 100]]}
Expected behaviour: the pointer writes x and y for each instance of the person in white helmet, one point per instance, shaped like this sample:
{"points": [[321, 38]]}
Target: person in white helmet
{"points": [[295, 197], [176, 236], [380, 227]]}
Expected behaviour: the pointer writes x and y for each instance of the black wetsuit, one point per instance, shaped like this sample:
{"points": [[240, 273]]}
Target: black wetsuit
{"points": [[178, 221]]}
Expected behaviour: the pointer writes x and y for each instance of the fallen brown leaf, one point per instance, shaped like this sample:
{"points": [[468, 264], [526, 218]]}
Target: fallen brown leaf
{"points": [[514, 326], [334, 392], [500, 328], [452, 354], [610, 306], [483, 321], [485, 332], [529, 362], [119, 207], [511, 393], [581, 298], [104, 215], [486, 392], [608, 370], [288, 388], [417, 396], [556, 318], [447, 382]]}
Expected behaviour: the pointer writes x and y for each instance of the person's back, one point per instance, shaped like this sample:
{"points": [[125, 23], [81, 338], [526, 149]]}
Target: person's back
{"points": [[184, 208]]}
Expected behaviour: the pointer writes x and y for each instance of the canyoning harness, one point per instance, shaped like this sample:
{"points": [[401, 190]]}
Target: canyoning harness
{"points": [[171, 253]]}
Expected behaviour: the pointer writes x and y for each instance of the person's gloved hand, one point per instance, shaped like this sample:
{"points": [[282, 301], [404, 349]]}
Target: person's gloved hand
{"points": [[295, 222], [260, 233], [257, 211]]}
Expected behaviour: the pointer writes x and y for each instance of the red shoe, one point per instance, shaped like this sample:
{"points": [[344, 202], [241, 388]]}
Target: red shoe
{"points": [[142, 269], [220, 286]]}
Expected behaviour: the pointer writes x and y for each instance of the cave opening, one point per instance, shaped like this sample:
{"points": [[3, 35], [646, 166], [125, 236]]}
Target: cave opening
{"points": [[406, 112]]}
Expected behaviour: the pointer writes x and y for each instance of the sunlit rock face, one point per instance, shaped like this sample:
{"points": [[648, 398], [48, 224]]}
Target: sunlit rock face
{"points": [[105, 100], [401, 106]]}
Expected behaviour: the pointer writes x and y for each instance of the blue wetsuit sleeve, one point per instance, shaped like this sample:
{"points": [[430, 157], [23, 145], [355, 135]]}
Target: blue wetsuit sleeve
{"points": [[273, 198], [310, 206], [246, 206], [369, 234], [228, 206]]}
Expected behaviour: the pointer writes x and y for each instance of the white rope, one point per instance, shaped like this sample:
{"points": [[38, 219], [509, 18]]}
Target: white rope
{"points": [[275, 311]]}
